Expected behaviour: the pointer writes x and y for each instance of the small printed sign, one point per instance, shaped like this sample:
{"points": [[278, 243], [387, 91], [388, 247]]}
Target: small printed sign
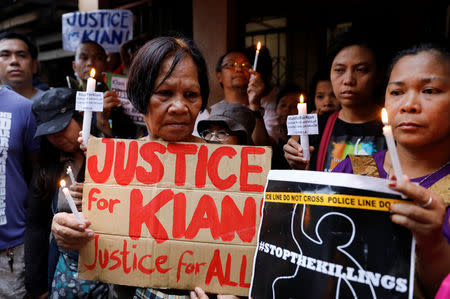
{"points": [[118, 83], [92, 101], [302, 124]]}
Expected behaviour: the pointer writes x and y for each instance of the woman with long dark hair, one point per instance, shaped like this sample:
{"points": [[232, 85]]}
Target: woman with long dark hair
{"points": [[58, 126]]}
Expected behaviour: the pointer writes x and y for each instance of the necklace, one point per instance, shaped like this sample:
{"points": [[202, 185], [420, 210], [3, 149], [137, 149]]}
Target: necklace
{"points": [[426, 177]]}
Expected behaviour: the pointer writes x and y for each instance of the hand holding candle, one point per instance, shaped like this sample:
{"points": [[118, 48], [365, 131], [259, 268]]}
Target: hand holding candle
{"points": [[255, 63], [304, 139], [387, 132], [87, 116], [69, 198]]}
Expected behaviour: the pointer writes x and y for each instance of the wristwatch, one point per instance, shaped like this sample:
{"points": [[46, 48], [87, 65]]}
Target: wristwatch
{"points": [[259, 113]]}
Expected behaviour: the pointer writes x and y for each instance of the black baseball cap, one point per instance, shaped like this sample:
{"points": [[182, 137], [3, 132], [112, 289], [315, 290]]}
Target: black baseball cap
{"points": [[53, 110], [234, 116]]}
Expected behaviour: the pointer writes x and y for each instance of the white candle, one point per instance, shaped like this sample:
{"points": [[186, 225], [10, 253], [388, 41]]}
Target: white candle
{"points": [[87, 117], [69, 198], [258, 47], [70, 173], [304, 139], [387, 132]]}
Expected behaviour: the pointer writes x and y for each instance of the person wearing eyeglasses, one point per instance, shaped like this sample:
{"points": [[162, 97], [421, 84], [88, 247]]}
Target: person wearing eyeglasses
{"points": [[241, 84], [228, 123]]}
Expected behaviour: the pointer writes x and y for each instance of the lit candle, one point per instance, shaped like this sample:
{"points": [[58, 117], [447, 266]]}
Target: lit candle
{"points": [[87, 117], [258, 47], [70, 173], [304, 139], [387, 132], [70, 200]]}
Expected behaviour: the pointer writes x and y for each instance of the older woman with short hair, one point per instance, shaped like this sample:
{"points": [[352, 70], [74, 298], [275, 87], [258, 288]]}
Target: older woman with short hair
{"points": [[168, 84]]}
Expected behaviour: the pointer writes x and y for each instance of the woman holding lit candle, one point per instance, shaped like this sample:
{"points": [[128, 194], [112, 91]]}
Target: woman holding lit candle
{"points": [[418, 106], [168, 84], [356, 128], [58, 126]]}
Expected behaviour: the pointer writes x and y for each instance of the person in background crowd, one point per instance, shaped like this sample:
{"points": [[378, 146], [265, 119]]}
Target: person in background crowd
{"points": [[418, 106], [58, 127], [112, 122], [286, 104], [241, 84], [19, 150], [324, 100], [127, 51], [228, 123], [269, 95], [113, 62], [39, 84], [357, 128], [18, 64]]}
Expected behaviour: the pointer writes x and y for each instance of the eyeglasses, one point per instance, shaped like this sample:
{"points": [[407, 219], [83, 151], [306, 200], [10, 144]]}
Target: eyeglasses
{"points": [[220, 135], [235, 65]]}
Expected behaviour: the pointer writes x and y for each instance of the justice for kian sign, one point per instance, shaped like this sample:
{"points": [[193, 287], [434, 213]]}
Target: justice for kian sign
{"points": [[173, 215]]}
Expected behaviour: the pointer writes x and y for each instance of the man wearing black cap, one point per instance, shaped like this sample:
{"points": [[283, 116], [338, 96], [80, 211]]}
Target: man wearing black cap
{"points": [[18, 151]]}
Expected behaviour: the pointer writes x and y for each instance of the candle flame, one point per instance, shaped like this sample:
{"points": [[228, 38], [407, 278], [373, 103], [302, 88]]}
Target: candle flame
{"points": [[384, 116], [92, 74], [301, 98], [62, 183], [258, 47]]}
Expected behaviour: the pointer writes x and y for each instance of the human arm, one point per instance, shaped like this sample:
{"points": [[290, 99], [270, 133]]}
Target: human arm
{"points": [[425, 223], [293, 152], [255, 91], [198, 293], [110, 100], [69, 233]]}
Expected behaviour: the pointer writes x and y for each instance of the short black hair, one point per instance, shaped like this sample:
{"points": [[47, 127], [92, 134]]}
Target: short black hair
{"points": [[360, 37], [440, 47], [91, 42], [353, 37], [264, 67], [286, 89], [221, 58], [148, 61], [323, 74], [32, 48]]}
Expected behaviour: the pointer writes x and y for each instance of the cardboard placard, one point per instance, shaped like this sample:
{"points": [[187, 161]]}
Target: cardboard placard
{"points": [[118, 83], [173, 215], [306, 124], [89, 101], [329, 235], [108, 27]]}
